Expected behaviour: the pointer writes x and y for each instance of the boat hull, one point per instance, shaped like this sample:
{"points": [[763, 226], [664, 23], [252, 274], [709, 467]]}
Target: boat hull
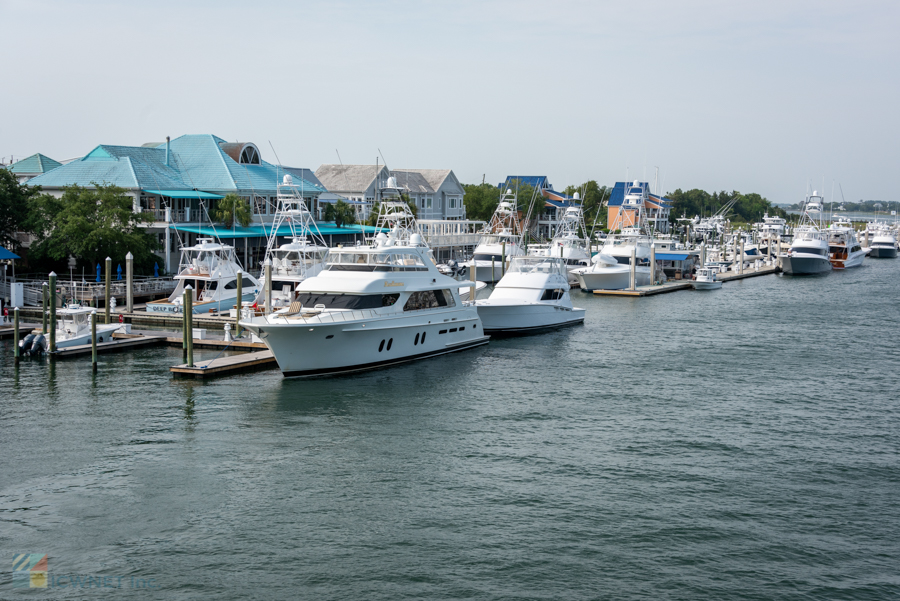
{"points": [[805, 265], [883, 252], [517, 319], [612, 279], [854, 260], [197, 308], [306, 349], [706, 285], [104, 334]]}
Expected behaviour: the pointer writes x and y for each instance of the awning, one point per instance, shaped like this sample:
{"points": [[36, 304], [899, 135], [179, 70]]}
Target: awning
{"points": [[185, 194], [661, 256], [6, 255], [263, 230]]}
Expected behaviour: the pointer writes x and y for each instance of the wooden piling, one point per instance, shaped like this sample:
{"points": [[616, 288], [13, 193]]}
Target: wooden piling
{"points": [[652, 264], [268, 270], [45, 292], [240, 303], [16, 333], [633, 267], [129, 280], [94, 341], [52, 320], [472, 277], [189, 317], [108, 288], [502, 260]]}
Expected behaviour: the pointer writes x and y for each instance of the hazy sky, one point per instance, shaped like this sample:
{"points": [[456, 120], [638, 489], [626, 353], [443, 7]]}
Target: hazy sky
{"points": [[758, 96]]}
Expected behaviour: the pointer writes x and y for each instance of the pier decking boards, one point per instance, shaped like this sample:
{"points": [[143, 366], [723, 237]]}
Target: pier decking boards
{"points": [[675, 285], [226, 366], [117, 344]]}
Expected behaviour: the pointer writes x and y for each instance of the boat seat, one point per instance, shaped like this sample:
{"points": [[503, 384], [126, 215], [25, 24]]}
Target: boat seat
{"points": [[296, 307]]}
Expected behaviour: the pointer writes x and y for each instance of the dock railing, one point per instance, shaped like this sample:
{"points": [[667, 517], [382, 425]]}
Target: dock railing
{"points": [[90, 291]]}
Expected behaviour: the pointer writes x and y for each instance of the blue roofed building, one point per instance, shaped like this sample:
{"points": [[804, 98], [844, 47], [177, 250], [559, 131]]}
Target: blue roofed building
{"points": [[33, 166], [626, 197], [179, 182], [547, 215]]}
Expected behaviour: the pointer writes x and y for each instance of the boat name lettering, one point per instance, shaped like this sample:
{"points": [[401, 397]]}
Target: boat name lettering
{"points": [[390, 284]]}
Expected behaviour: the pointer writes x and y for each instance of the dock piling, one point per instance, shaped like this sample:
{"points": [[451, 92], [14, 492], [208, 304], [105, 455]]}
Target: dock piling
{"points": [[240, 303], [129, 277], [94, 341], [52, 320], [652, 265], [472, 277], [16, 334], [189, 319], [108, 288], [633, 267], [741, 268], [502, 260], [44, 294], [268, 265]]}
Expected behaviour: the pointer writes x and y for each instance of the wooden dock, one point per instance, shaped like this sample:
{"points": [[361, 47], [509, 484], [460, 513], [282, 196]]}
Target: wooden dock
{"points": [[226, 366], [675, 285], [115, 345]]}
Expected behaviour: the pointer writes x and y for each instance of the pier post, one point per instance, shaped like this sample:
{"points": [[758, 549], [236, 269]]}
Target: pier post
{"points": [[268, 266], [16, 334], [184, 319], [52, 321], [633, 266], [652, 265], [493, 267], [502, 260], [742, 257], [189, 320], [472, 277], [129, 280], [108, 288], [702, 254], [240, 303], [94, 341], [45, 292]]}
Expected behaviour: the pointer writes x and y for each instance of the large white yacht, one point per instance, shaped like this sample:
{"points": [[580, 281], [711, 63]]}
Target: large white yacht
{"points": [[567, 242], [843, 246], [533, 296], [372, 306], [211, 269], [882, 242], [808, 253], [501, 239], [300, 258]]}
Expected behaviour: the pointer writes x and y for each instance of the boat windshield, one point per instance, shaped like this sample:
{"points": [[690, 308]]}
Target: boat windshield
{"points": [[537, 265], [361, 261]]}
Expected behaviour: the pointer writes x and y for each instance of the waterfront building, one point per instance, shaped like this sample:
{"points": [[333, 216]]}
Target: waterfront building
{"points": [[656, 208], [33, 166], [547, 214]]}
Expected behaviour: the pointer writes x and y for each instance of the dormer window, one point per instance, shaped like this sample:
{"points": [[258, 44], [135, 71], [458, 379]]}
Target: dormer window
{"points": [[249, 155]]}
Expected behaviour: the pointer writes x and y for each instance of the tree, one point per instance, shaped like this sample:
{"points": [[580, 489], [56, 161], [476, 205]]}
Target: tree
{"points": [[233, 209], [593, 199], [90, 224], [481, 200], [748, 208], [340, 212], [14, 201]]}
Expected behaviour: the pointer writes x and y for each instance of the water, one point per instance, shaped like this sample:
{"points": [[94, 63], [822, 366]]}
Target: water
{"points": [[734, 444]]}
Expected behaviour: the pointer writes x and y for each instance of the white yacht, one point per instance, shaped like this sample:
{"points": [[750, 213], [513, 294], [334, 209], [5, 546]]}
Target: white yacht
{"points": [[706, 279], [533, 296], [73, 326], [771, 231], [372, 306], [501, 239], [300, 258], [211, 269], [567, 243], [843, 246], [882, 243], [808, 253]]}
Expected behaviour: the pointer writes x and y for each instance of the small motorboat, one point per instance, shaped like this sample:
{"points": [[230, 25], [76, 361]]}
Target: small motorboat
{"points": [[706, 279]]}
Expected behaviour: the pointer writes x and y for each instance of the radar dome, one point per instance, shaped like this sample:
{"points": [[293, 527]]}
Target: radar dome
{"points": [[392, 182], [576, 196], [636, 183], [415, 240], [288, 180]]}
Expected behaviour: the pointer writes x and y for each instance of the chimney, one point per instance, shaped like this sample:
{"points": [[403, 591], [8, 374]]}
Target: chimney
{"points": [[167, 151]]}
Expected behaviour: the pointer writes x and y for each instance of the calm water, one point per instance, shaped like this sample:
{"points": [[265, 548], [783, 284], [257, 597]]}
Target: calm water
{"points": [[735, 444]]}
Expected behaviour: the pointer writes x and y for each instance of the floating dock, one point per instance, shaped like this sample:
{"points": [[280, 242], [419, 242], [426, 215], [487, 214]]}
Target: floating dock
{"points": [[675, 285], [226, 366], [115, 345]]}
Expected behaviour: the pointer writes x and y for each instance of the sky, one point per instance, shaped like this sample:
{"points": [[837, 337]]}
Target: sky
{"points": [[764, 96]]}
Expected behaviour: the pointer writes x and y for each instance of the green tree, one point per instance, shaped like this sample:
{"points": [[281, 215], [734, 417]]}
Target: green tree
{"points": [[14, 202], [90, 224], [593, 202], [340, 213], [233, 209], [481, 200]]}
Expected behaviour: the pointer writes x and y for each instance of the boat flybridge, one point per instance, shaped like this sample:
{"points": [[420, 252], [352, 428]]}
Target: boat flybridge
{"points": [[300, 258], [211, 269], [567, 242], [610, 269], [808, 253], [500, 240], [844, 249], [532, 296], [372, 306]]}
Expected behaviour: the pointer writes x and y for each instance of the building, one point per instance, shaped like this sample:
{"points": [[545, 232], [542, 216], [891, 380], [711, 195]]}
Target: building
{"points": [[548, 214], [656, 208], [33, 166], [178, 183], [437, 193]]}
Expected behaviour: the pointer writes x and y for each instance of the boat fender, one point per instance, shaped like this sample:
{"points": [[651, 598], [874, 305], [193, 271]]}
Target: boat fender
{"points": [[121, 318]]}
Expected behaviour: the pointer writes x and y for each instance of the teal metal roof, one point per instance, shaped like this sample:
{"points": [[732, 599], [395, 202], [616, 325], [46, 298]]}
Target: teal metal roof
{"points": [[184, 194], [36, 163], [258, 230], [195, 162]]}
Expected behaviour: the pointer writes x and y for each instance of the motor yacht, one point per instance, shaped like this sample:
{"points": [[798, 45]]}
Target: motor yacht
{"points": [[500, 240], [372, 306], [705, 279], [808, 253], [610, 269], [533, 296], [568, 244], [211, 270], [882, 243], [73, 326], [844, 249]]}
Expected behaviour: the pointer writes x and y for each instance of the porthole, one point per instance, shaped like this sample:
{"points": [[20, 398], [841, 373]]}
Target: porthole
{"points": [[381, 346], [329, 337], [417, 340], [423, 337], [390, 342]]}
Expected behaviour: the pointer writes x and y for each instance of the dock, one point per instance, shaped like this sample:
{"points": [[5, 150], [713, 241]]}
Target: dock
{"points": [[676, 285], [115, 345], [226, 366]]}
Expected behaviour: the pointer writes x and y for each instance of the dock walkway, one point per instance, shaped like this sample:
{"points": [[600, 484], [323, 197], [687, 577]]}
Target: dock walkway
{"points": [[226, 366], [115, 345], [674, 285]]}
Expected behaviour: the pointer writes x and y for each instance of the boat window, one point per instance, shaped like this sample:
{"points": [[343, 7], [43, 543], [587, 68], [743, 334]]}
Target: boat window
{"points": [[343, 301], [231, 285], [553, 294], [429, 299], [388, 300], [497, 258]]}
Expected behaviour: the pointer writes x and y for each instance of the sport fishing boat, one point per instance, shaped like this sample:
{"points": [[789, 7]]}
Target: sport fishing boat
{"points": [[211, 270], [844, 249], [500, 240], [883, 243], [567, 244], [300, 258], [706, 279], [533, 296], [808, 253], [372, 306]]}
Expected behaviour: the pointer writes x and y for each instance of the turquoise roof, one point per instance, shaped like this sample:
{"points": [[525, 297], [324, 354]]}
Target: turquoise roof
{"points": [[257, 230], [185, 194], [195, 162], [36, 163]]}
